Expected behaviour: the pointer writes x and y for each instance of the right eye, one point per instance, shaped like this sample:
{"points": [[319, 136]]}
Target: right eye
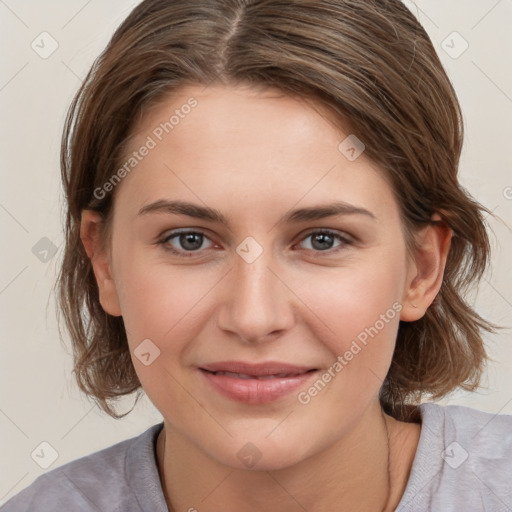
{"points": [[190, 242]]}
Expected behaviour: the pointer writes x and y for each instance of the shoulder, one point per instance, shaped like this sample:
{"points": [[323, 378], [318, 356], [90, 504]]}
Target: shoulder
{"points": [[108, 480], [463, 460], [483, 432]]}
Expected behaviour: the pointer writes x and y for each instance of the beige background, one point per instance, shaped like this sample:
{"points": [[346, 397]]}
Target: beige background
{"points": [[39, 400]]}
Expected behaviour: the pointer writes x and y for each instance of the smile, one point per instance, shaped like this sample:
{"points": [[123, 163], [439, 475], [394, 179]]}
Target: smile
{"points": [[255, 384]]}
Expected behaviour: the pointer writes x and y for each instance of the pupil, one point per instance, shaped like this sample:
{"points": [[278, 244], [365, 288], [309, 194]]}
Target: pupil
{"points": [[324, 239], [185, 239]]}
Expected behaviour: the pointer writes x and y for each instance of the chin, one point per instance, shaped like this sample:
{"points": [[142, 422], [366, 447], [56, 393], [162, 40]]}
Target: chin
{"points": [[261, 455]]}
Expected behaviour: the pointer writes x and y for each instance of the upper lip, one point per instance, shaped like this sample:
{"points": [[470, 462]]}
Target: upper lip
{"points": [[258, 369]]}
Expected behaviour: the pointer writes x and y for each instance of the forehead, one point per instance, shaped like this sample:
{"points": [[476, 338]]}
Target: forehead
{"points": [[237, 142], [235, 112]]}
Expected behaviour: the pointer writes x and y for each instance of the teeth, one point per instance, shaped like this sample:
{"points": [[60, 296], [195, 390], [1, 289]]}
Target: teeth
{"points": [[245, 376]]}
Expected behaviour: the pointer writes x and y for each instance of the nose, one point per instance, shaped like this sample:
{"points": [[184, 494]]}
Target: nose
{"points": [[258, 303]]}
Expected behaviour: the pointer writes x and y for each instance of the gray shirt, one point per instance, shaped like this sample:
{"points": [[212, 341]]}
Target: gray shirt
{"points": [[463, 463]]}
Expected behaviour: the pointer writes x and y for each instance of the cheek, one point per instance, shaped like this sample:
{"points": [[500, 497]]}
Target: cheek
{"points": [[160, 301], [357, 318], [350, 299]]}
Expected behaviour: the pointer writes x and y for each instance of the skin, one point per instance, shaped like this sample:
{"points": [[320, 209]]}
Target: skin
{"points": [[255, 155]]}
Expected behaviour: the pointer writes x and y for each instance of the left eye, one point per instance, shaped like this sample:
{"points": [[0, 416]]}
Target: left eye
{"points": [[191, 242], [323, 238]]}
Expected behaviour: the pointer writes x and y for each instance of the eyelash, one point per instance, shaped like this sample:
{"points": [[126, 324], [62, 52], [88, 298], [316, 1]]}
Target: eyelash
{"points": [[188, 254]]}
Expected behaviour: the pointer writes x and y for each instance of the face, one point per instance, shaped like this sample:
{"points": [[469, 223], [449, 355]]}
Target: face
{"points": [[275, 281]]}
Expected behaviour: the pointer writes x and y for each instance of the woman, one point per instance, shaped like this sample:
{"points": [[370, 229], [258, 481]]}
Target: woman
{"points": [[266, 234]]}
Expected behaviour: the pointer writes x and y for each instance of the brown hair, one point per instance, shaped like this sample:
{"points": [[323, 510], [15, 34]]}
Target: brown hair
{"points": [[374, 67]]}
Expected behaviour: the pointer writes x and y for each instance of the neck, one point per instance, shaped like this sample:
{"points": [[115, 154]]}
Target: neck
{"points": [[379, 451]]}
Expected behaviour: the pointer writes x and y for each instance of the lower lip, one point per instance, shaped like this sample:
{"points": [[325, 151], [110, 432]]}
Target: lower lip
{"points": [[256, 391]]}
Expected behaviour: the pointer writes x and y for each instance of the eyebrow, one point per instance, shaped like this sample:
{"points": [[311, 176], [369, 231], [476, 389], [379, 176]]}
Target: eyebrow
{"points": [[296, 216]]}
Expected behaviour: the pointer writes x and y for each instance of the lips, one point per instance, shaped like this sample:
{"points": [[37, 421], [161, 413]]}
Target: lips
{"points": [[255, 383]]}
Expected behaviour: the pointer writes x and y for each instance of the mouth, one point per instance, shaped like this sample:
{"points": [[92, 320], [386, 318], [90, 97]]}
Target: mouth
{"points": [[256, 383]]}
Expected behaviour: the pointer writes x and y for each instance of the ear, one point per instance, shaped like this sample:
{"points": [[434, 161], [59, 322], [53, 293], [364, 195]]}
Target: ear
{"points": [[90, 229], [425, 273]]}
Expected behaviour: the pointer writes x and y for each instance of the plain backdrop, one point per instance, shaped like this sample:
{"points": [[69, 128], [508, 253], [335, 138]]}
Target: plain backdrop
{"points": [[41, 408]]}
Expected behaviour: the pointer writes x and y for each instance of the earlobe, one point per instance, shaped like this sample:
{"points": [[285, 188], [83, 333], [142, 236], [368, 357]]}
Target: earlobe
{"points": [[426, 272], [90, 230]]}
